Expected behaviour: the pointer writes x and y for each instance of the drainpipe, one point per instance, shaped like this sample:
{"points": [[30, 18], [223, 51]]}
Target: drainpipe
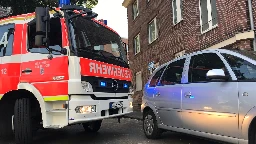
{"points": [[252, 22]]}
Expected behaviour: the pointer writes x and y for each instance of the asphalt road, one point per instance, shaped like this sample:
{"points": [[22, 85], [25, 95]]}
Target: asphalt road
{"points": [[129, 131]]}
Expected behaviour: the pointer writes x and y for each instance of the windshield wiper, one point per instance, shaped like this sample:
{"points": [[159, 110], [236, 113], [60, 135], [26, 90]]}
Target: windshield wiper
{"points": [[100, 53]]}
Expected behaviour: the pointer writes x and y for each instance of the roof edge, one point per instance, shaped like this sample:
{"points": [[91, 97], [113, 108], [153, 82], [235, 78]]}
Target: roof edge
{"points": [[126, 3]]}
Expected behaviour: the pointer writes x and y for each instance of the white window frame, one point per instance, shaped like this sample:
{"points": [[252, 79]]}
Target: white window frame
{"points": [[179, 10], [135, 48], [209, 8], [180, 54], [137, 7], [138, 81], [156, 29]]}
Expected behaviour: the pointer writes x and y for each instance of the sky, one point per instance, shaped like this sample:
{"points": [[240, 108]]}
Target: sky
{"points": [[115, 14]]}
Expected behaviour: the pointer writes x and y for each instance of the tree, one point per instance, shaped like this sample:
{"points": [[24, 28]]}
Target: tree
{"points": [[88, 3], [28, 6]]}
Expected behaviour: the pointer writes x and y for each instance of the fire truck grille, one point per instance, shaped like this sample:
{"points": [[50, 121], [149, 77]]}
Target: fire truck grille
{"points": [[107, 84]]}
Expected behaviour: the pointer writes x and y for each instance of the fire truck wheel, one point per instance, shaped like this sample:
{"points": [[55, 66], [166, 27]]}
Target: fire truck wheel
{"points": [[92, 126], [6, 113], [22, 121]]}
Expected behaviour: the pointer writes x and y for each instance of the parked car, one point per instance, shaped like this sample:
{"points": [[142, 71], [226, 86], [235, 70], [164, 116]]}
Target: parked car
{"points": [[209, 93]]}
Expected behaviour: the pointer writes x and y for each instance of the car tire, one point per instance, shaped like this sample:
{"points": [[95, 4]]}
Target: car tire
{"points": [[6, 112], [93, 126], [150, 126], [22, 121]]}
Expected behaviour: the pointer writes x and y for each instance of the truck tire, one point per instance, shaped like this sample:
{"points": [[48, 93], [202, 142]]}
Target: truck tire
{"points": [[92, 126], [150, 127], [22, 121], [6, 112]]}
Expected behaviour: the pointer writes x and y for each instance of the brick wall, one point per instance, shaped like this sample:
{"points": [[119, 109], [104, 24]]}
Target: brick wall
{"points": [[186, 35]]}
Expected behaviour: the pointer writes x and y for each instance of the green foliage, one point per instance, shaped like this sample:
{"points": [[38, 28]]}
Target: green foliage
{"points": [[28, 6]]}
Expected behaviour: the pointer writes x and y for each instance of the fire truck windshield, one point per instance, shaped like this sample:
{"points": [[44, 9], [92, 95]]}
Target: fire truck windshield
{"points": [[95, 41]]}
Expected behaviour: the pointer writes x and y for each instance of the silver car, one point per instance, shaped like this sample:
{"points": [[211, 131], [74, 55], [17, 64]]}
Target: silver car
{"points": [[209, 93]]}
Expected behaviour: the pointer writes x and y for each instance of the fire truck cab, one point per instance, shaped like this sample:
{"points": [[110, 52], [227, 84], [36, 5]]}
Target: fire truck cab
{"points": [[60, 67]]}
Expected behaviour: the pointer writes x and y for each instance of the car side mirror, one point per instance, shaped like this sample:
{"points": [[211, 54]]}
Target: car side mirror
{"points": [[216, 74]]}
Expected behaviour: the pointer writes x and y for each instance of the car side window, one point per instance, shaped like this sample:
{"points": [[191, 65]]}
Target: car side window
{"points": [[173, 73], [55, 38], [243, 69], [155, 79], [6, 39], [200, 64]]}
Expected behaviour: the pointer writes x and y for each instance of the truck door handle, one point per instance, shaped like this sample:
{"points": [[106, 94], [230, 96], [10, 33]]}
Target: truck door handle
{"points": [[26, 71]]}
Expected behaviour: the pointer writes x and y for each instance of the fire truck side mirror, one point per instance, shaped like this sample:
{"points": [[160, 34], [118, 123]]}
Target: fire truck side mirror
{"points": [[42, 26]]}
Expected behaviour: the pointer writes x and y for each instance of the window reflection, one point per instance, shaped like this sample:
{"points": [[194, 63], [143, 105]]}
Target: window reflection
{"points": [[243, 69]]}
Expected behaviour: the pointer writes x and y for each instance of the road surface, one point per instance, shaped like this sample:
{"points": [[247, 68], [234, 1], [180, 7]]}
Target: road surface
{"points": [[129, 131]]}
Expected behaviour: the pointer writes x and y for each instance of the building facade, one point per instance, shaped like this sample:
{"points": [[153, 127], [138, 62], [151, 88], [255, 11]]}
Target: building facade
{"points": [[160, 30], [125, 45]]}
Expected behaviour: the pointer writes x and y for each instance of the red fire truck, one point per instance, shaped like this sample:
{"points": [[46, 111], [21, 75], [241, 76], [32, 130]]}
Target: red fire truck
{"points": [[60, 67]]}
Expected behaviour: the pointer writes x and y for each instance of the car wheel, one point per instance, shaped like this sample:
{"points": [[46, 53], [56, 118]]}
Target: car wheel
{"points": [[150, 126], [6, 112], [92, 126], [22, 121]]}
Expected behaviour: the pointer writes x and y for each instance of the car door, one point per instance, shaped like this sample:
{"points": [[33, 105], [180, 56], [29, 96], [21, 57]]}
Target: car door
{"points": [[150, 87], [168, 94], [209, 106], [245, 72]]}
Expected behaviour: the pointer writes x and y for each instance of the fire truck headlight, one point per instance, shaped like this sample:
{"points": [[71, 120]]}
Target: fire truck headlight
{"points": [[86, 86], [85, 109]]}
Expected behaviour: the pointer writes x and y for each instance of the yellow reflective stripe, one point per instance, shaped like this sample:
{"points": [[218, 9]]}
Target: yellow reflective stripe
{"points": [[1, 97], [56, 98]]}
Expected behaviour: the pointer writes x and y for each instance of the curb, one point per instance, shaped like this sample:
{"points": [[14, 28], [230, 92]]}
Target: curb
{"points": [[131, 117], [136, 115]]}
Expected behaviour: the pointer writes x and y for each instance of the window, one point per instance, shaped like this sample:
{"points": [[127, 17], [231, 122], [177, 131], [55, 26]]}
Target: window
{"points": [[137, 44], [244, 70], [138, 81], [177, 11], [208, 11], [6, 39], [152, 30], [155, 79], [173, 73], [135, 9], [55, 37], [200, 64], [180, 54]]}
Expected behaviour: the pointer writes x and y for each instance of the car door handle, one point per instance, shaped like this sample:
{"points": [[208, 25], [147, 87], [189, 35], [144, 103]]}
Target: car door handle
{"points": [[157, 94], [26, 71], [189, 95]]}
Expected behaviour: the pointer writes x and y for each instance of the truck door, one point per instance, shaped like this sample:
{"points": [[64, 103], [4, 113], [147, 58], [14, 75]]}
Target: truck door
{"points": [[49, 76]]}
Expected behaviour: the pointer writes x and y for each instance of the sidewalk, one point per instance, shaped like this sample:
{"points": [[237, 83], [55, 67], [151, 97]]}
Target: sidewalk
{"points": [[134, 115]]}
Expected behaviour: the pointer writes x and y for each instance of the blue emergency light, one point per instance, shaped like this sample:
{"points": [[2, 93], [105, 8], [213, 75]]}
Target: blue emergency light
{"points": [[125, 85], [64, 2], [105, 22], [102, 83]]}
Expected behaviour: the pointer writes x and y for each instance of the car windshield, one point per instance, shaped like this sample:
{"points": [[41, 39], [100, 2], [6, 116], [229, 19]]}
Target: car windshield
{"points": [[250, 54], [93, 37]]}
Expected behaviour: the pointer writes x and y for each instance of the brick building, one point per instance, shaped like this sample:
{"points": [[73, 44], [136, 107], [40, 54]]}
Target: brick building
{"points": [[125, 44], [159, 30]]}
